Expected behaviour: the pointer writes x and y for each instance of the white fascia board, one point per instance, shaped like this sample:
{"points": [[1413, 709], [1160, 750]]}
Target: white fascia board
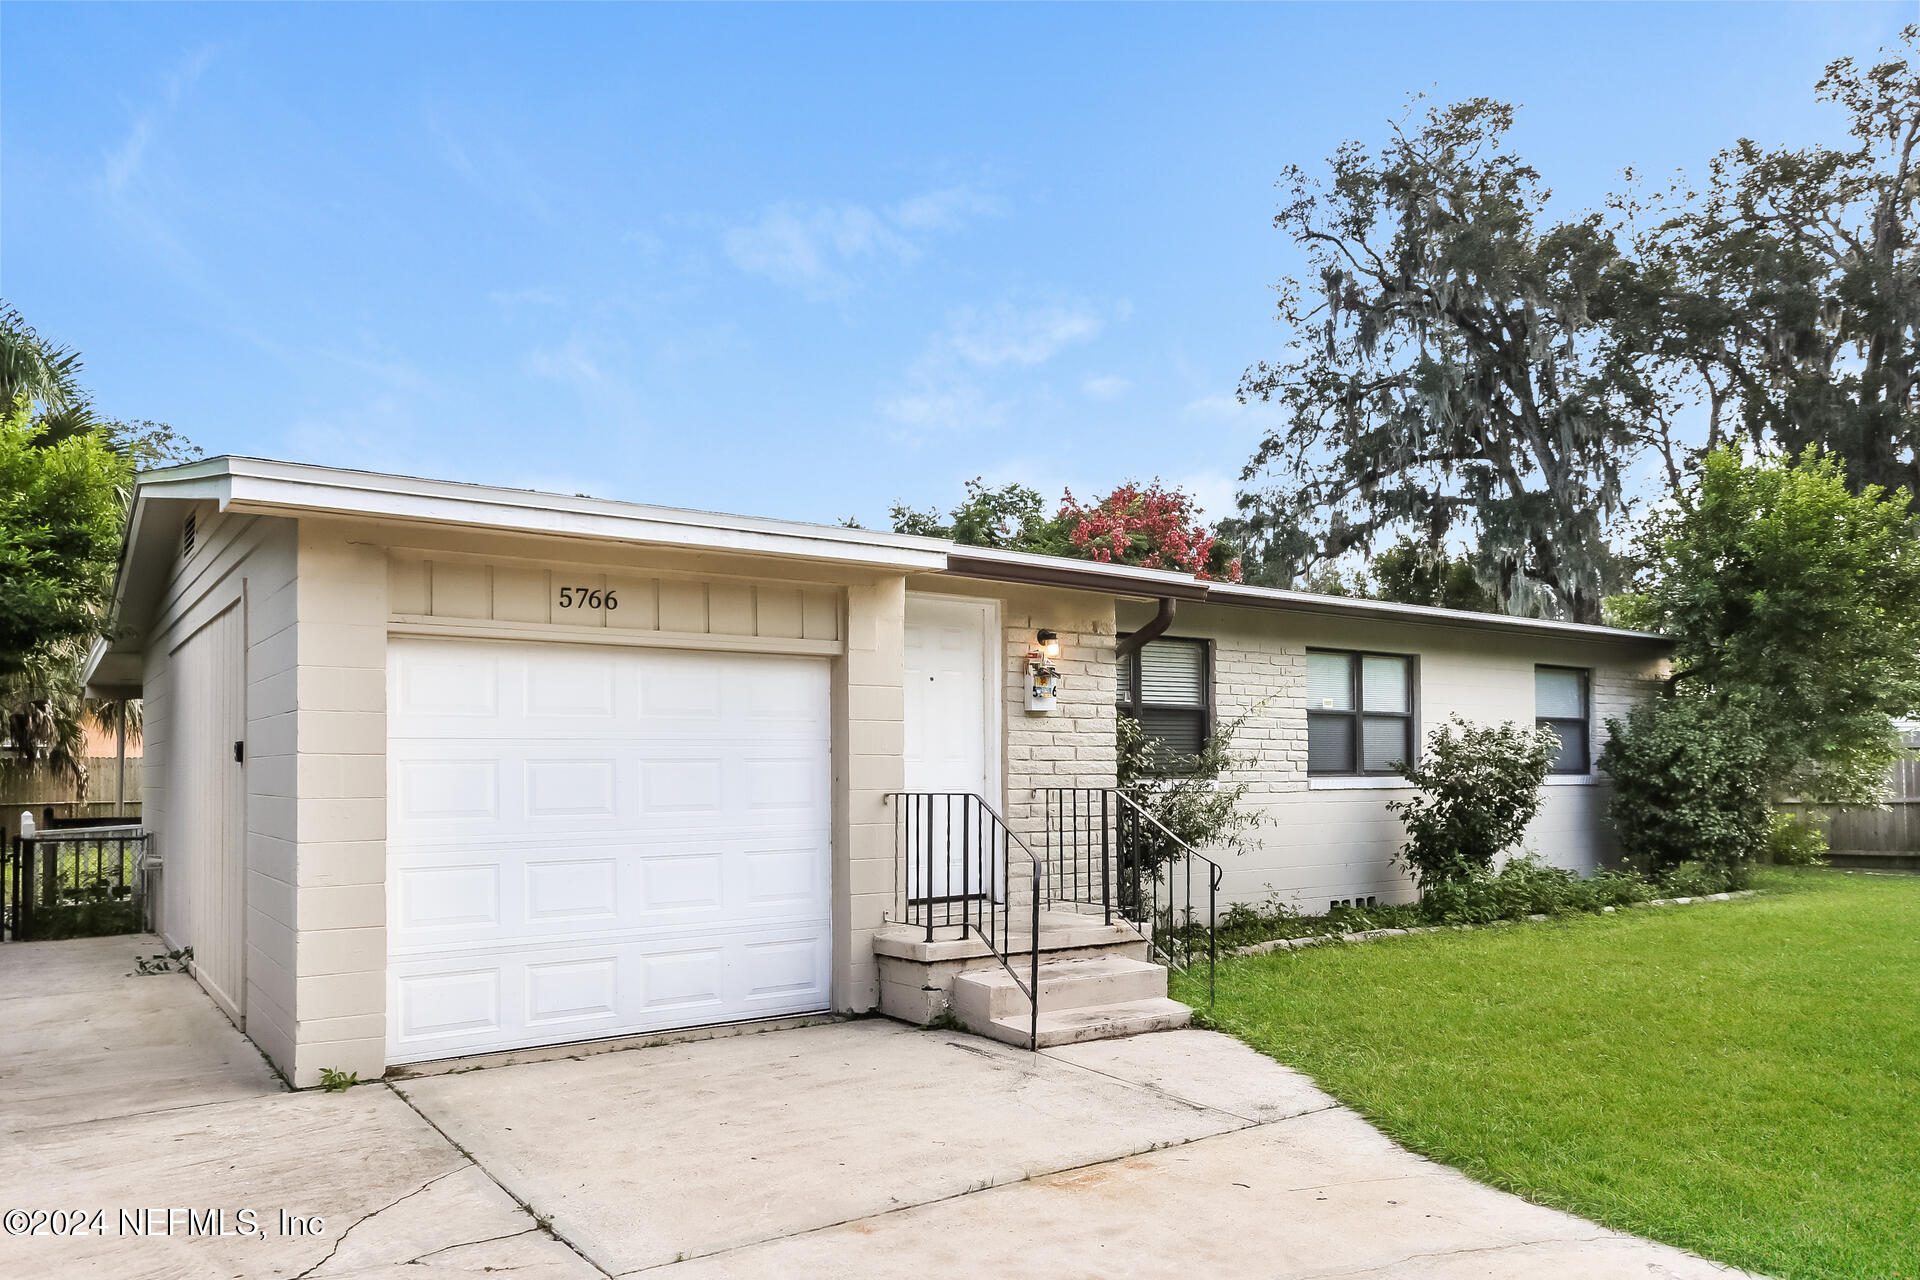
{"points": [[1229, 593], [262, 487], [1125, 576]]}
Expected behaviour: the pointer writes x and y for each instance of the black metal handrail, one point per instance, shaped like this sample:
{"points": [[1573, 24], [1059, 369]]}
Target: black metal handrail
{"points": [[1102, 838], [954, 854], [74, 883]]}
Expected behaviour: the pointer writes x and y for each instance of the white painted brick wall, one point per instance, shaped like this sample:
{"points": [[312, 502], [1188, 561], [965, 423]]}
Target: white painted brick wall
{"points": [[1072, 746], [1321, 843]]}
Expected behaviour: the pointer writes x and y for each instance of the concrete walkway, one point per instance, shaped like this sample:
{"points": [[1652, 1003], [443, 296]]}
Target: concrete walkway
{"points": [[864, 1148]]}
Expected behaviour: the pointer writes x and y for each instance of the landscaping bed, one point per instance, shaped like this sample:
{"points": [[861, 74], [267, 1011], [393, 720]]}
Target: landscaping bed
{"points": [[1740, 1078]]}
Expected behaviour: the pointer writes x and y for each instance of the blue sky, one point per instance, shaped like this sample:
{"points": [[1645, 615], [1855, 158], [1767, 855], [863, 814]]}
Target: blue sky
{"points": [[795, 261]]}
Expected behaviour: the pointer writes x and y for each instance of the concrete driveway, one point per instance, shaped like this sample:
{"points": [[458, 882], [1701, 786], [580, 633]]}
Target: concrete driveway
{"points": [[861, 1148]]}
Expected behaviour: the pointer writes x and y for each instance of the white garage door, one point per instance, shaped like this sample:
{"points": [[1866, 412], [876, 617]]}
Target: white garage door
{"points": [[591, 841]]}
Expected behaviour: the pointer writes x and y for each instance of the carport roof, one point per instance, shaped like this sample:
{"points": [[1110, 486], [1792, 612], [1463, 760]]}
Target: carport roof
{"points": [[261, 486]]}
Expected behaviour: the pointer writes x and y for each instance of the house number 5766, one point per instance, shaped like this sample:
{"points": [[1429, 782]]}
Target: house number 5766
{"points": [[588, 598]]}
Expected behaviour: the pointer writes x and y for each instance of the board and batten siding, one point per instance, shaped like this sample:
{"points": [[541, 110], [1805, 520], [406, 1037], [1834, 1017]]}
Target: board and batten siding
{"points": [[248, 563], [693, 611]]}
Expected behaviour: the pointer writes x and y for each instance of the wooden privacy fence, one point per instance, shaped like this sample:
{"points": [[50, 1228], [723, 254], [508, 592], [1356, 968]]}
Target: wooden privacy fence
{"points": [[1882, 837], [74, 884]]}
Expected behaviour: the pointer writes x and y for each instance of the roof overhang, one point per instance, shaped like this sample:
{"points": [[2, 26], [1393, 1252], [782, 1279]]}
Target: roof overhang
{"points": [[1234, 593], [258, 486], [261, 487], [1023, 567]]}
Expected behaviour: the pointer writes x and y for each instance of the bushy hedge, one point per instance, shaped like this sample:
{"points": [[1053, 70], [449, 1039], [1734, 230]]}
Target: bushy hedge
{"points": [[1796, 842], [1523, 887], [1529, 887], [1479, 788], [1689, 785]]}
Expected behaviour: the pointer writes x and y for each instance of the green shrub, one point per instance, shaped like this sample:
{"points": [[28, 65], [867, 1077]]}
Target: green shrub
{"points": [[1689, 784], [1527, 887], [1197, 798], [1794, 843], [1479, 788], [1619, 889], [1698, 879]]}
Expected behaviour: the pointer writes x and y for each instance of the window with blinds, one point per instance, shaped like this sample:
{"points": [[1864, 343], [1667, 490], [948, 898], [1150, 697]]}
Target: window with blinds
{"points": [[1359, 713], [1560, 700], [1167, 687]]}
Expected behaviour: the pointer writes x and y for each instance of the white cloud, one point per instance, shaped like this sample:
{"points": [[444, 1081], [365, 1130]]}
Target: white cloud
{"points": [[812, 249], [583, 366], [1106, 388], [820, 249], [1006, 334], [946, 407], [123, 164], [947, 209]]}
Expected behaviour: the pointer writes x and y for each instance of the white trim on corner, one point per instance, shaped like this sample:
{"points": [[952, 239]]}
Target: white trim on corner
{"points": [[1332, 783], [1573, 779]]}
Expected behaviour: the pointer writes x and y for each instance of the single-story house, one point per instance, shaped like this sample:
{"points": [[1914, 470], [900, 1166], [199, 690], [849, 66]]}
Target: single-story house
{"points": [[440, 769]]}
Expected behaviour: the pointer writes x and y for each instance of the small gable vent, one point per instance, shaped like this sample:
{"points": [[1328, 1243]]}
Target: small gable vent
{"points": [[186, 536]]}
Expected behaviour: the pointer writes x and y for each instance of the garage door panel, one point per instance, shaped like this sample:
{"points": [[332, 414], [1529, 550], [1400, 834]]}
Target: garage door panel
{"points": [[667, 812], [555, 994], [508, 893], [488, 788]]}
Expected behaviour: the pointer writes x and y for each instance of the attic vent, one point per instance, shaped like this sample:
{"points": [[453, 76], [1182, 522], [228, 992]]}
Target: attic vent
{"points": [[186, 536]]}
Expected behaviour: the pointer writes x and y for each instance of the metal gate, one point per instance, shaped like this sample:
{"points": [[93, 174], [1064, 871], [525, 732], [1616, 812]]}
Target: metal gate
{"points": [[74, 884]]}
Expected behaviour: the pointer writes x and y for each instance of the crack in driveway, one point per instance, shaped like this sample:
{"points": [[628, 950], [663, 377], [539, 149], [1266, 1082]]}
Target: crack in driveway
{"points": [[368, 1217], [542, 1222]]}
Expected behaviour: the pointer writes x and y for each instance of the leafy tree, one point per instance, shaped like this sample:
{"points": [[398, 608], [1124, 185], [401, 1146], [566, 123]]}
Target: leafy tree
{"points": [[56, 546], [41, 376], [1012, 517], [1409, 573], [1446, 368], [1276, 547], [1479, 788], [1689, 783], [59, 535], [1783, 296], [1796, 602], [1147, 525], [1150, 525]]}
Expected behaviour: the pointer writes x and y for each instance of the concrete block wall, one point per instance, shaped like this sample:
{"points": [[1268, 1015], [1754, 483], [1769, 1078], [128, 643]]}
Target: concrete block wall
{"points": [[341, 812], [250, 562], [869, 734], [272, 593]]}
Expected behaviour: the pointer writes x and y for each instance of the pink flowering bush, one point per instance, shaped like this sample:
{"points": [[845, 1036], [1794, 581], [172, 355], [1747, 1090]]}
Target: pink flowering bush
{"points": [[1147, 525]]}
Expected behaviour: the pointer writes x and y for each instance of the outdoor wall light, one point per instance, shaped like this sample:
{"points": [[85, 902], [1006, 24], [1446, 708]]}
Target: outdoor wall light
{"points": [[1049, 643]]}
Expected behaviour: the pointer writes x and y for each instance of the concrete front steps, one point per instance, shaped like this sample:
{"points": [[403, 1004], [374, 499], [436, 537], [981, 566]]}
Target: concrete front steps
{"points": [[1085, 997], [1096, 981]]}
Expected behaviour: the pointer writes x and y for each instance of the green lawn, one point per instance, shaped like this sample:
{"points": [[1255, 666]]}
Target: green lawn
{"points": [[1741, 1079]]}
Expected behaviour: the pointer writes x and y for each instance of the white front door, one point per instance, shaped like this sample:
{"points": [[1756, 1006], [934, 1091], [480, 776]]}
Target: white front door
{"points": [[951, 745], [590, 841]]}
